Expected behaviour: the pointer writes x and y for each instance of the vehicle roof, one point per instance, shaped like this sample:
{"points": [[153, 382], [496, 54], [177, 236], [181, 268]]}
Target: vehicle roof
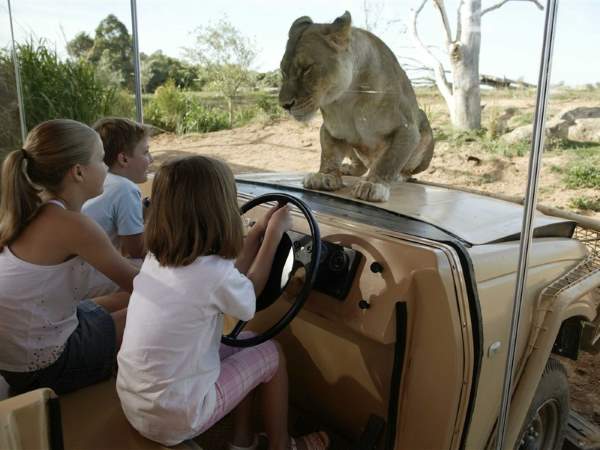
{"points": [[475, 219]]}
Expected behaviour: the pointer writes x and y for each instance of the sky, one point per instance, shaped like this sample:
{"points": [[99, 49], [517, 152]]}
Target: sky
{"points": [[511, 35]]}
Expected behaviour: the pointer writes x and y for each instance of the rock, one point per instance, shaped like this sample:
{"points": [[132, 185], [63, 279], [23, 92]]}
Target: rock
{"points": [[519, 134], [558, 128], [583, 112], [585, 130]]}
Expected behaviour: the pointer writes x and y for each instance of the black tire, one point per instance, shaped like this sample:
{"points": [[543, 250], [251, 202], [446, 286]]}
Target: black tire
{"points": [[546, 423]]}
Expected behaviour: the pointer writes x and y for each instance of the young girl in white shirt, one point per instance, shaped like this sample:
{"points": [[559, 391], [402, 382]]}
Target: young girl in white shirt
{"points": [[51, 333], [175, 378]]}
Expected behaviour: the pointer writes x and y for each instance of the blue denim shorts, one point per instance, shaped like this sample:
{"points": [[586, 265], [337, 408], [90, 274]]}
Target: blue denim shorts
{"points": [[89, 356]]}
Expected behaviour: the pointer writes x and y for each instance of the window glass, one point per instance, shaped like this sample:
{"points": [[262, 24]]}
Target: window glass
{"points": [[75, 58], [570, 178], [10, 134]]}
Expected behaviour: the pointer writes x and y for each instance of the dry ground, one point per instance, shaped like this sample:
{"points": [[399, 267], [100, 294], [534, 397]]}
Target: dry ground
{"points": [[286, 145]]}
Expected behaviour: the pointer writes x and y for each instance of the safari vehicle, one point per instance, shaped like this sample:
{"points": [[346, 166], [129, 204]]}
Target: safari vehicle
{"points": [[397, 323], [400, 325]]}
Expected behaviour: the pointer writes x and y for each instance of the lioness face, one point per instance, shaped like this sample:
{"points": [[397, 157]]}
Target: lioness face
{"points": [[316, 67]]}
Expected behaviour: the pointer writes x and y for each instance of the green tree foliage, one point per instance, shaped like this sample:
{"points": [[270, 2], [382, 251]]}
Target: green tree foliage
{"points": [[227, 55], [158, 68], [269, 80], [110, 51], [80, 46]]}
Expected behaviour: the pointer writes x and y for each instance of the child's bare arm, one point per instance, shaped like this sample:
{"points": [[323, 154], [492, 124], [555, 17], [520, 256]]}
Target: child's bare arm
{"points": [[280, 222], [252, 242], [90, 242]]}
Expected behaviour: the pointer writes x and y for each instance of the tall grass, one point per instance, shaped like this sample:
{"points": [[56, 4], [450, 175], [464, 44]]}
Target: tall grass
{"points": [[53, 88]]}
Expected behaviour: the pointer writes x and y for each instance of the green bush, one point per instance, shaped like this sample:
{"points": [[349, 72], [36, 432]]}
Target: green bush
{"points": [[200, 119], [62, 89], [167, 107], [10, 131], [269, 105], [244, 116], [583, 176], [585, 203], [53, 88]]}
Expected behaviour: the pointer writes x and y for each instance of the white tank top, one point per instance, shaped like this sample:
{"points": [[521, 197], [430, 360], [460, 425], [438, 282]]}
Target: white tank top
{"points": [[38, 307]]}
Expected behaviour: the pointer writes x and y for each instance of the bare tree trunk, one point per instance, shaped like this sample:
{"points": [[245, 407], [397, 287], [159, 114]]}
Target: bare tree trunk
{"points": [[230, 109], [465, 111], [462, 95]]}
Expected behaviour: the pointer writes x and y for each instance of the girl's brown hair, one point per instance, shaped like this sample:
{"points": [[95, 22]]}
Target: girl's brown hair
{"points": [[194, 212], [50, 150]]}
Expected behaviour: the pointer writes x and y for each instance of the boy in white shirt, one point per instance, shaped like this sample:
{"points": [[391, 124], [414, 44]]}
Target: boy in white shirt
{"points": [[119, 209]]}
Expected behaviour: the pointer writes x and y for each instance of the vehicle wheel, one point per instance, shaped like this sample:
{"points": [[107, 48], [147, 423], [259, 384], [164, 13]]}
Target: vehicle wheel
{"points": [[546, 421]]}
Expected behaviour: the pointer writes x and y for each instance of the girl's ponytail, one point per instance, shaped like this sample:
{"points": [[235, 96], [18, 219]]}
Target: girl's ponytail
{"points": [[19, 198], [50, 150]]}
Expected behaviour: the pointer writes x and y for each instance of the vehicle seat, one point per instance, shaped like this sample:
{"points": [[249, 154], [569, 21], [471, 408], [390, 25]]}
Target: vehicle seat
{"points": [[93, 419], [31, 420]]}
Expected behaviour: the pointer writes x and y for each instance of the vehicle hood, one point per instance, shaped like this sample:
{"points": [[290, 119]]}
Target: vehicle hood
{"points": [[475, 219]]}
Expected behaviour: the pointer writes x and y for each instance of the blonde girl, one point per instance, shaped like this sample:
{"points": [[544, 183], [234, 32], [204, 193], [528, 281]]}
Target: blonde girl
{"points": [[175, 378], [51, 334]]}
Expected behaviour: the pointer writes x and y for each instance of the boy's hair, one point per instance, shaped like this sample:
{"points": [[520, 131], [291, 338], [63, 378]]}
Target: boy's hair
{"points": [[50, 150], [194, 212], [119, 135]]}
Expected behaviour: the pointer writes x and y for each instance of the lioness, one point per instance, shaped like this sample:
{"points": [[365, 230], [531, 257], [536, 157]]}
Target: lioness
{"points": [[370, 113]]}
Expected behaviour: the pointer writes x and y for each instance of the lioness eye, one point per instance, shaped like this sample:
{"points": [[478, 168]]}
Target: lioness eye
{"points": [[307, 70]]}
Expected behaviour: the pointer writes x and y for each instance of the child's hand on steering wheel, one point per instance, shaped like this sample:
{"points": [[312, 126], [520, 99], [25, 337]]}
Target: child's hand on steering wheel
{"points": [[280, 221], [261, 225]]}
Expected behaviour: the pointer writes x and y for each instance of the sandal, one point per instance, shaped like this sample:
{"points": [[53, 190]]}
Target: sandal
{"points": [[254, 445], [318, 440]]}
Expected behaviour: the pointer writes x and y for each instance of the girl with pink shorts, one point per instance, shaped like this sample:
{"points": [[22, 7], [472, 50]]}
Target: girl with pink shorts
{"points": [[175, 378]]}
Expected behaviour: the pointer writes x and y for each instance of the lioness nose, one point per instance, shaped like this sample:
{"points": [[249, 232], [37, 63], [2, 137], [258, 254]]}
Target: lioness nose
{"points": [[288, 105]]}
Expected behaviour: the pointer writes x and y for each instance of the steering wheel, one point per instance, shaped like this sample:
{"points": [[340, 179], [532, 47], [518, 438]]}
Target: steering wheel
{"points": [[306, 256]]}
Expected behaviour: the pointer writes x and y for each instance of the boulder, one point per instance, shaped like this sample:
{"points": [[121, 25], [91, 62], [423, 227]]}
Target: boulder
{"points": [[519, 134], [583, 112], [585, 130], [558, 128], [579, 124]]}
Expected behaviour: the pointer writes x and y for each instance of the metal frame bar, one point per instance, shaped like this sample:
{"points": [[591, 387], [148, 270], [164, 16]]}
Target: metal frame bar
{"points": [[17, 78], [139, 110], [535, 160]]}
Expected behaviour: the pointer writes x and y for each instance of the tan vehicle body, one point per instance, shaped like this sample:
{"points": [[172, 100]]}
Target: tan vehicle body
{"points": [[341, 357]]}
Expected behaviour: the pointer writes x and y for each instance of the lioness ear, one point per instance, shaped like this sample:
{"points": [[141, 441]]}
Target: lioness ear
{"points": [[299, 25], [339, 31]]}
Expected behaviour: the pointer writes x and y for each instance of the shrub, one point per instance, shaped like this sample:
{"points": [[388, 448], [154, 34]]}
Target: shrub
{"points": [[244, 116], [269, 105], [200, 119], [585, 203], [167, 106], [69, 89], [583, 176], [53, 88]]}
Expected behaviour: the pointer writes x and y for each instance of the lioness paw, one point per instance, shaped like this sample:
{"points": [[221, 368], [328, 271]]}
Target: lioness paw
{"points": [[371, 192], [322, 181]]}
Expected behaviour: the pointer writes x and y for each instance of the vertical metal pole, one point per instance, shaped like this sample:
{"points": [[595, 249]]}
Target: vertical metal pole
{"points": [[136, 64], [535, 160], [17, 78]]}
